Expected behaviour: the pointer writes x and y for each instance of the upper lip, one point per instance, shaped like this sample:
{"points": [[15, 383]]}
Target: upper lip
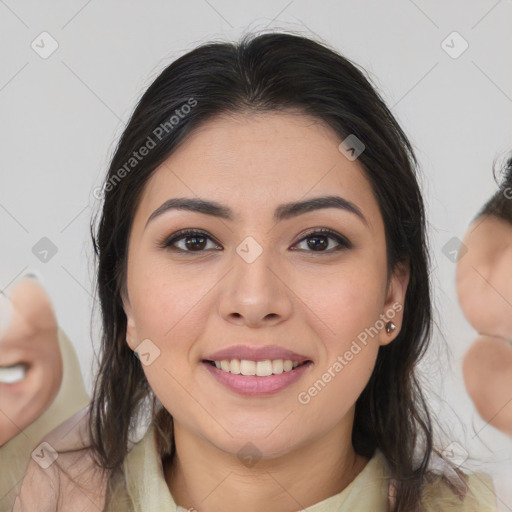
{"points": [[16, 363], [260, 353]]}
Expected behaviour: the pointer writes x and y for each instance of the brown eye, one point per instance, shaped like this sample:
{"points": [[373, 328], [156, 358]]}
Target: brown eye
{"points": [[194, 241], [318, 241]]}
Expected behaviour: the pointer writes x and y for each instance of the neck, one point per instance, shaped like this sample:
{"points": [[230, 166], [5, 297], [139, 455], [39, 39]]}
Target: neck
{"points": [[208, 479]]}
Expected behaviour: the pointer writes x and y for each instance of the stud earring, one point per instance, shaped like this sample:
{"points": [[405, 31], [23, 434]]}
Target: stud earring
{"points": [[390, 327]]}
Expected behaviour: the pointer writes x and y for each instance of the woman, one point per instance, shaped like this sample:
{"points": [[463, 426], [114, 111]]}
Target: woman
{"points": [[262, 250]]}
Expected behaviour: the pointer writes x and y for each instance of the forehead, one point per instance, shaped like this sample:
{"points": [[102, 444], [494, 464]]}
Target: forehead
{"points": [[255, 161]]}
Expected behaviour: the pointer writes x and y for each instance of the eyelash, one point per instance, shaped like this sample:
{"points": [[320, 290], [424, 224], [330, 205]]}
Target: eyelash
{"points": [[167, 243]]}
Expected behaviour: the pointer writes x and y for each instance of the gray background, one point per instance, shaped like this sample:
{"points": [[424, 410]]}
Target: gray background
{"points": [[61, 117]]}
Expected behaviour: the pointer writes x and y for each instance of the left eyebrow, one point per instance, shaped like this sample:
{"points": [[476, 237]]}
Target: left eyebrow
{"points": [[289, 210], [282, 212]]}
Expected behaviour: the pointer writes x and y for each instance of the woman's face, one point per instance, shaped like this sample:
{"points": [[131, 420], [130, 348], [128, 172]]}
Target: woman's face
{"points": [[264, 277]]}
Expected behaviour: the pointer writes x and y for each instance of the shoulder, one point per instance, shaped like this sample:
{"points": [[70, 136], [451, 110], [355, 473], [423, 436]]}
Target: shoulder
{"points": [[477, 491], [56, 480]]}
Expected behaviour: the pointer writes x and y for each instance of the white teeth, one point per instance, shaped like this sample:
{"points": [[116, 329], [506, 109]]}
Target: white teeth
{"points": [[264, 368], [12, 374], [247, 367], [234, 367], [277, 366], [258, 368]]}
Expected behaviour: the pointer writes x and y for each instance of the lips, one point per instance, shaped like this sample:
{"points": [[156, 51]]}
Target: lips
{"points": [[252, 353]]}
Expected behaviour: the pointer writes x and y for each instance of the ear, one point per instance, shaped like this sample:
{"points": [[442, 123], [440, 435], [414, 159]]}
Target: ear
{"points": [[393, 309], [131, 330]]}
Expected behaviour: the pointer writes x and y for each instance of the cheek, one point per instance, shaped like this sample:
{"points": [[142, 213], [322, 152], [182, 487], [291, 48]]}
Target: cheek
{"points": [[332, 391], [165, 302], [169, 378], [345, 300], [347, 305], [340, 378], [51, 369]]}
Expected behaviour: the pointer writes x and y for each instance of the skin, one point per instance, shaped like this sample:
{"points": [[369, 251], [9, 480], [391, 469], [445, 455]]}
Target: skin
{"points": [[32, 338], [316, 304], [487, 368], [484, 288], [484, 277]]}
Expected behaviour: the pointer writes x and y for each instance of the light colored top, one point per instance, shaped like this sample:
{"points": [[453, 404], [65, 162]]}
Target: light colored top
{"points": [[140, 486], [148, 491]]}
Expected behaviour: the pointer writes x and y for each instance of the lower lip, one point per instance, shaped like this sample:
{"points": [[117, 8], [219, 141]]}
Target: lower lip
{"points": [[13, 387], [251, 385]]}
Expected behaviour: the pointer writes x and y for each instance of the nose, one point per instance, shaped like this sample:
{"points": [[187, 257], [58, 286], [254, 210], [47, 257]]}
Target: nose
{"points": [[255, 292]]}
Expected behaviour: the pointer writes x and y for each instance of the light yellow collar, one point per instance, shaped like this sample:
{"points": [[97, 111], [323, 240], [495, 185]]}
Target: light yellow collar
{"points": [[148, 489]]}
